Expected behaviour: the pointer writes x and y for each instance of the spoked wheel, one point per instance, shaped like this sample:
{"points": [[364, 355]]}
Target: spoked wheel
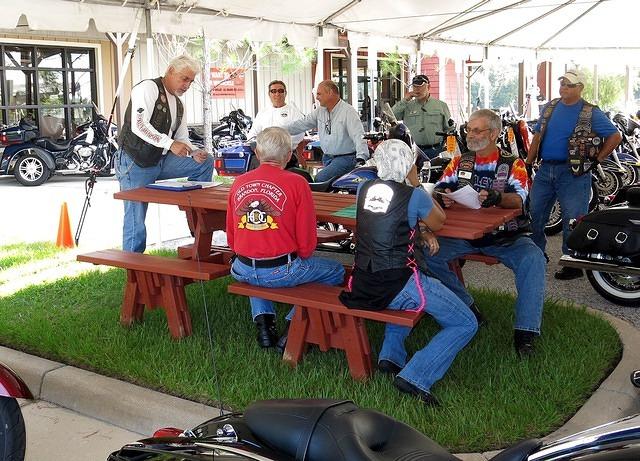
{"points": [[31, 171], [554, 223], [12, 433], [630, 174], [618, 288], [608, 183]]}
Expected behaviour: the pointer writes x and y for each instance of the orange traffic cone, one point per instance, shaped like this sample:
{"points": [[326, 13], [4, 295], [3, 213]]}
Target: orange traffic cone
{"points": [[64, 229]]}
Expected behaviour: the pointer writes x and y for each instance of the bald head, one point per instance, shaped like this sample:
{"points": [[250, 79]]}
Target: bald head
{"points": [[328, 94]]}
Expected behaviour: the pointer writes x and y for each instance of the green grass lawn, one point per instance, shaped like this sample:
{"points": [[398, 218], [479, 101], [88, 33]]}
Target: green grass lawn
{"points": [[21, 253], [489, 397]]}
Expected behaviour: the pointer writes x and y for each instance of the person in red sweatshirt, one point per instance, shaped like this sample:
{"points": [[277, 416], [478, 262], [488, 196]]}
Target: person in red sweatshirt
{"points": [[271, 227]]}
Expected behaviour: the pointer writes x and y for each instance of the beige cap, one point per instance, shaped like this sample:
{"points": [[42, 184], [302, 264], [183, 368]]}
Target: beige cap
{"points": [[573, 76]]}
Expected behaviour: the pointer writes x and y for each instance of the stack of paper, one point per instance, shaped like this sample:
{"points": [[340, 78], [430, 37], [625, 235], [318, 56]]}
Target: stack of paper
{"points": [[181, 184]]}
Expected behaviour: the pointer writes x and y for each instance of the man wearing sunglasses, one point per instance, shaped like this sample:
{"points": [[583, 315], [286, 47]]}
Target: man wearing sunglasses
{"points": [[566, 121], [339, 129], [279, 114], [424, 115]]}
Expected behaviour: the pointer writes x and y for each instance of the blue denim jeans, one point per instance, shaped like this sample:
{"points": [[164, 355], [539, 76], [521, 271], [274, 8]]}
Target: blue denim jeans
{"points": [[431, 362], [523, 257], [297, 272], [335, 166], [556, 182], [131, 176]]}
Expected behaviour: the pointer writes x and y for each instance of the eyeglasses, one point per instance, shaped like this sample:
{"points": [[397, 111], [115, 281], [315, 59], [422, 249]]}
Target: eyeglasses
{"points": [[327, 126], [569, 85], [277, 90], [476, 131]]}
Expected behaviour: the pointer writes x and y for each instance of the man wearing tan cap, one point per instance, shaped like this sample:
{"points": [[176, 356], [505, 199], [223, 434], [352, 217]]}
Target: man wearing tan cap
{"points": [[565, 123]]}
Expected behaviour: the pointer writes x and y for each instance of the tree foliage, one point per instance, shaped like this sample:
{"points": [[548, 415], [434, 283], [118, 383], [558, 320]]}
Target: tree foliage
{"points": [[610, 89]]}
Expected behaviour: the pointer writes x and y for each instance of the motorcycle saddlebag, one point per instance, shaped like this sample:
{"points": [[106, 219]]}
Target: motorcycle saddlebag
{"points": [[615, 232]]}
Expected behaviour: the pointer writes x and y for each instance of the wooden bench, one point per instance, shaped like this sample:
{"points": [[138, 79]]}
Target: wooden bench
{"points": [[479, 257], [157, 281], [320, 318]]}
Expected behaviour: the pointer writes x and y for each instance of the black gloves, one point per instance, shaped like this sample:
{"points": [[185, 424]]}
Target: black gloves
{"points": [[360, 162], [494, 197]]}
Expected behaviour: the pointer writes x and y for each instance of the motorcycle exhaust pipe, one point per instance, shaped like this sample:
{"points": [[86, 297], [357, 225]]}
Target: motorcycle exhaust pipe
{"points": [[599, 266]]}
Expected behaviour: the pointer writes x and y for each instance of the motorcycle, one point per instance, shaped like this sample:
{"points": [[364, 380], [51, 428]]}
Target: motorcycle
{"points": [[323, 430], [12, 432], [24, 130], [34, 161], [606, 244]]}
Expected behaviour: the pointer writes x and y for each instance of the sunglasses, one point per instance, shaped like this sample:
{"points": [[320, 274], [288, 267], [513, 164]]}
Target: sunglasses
{"points": [[277, 90], [569, 85]]}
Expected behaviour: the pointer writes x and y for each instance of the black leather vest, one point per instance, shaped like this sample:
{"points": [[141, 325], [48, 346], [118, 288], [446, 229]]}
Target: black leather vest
{"points": [[384, 236], [145, 154]]}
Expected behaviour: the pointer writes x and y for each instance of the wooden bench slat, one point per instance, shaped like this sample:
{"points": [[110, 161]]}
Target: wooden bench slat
{"points": [[156, 264], [324, 298]]}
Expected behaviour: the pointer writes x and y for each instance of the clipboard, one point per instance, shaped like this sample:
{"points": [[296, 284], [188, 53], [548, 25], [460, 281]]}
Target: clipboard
{"points": [[174, 185]]}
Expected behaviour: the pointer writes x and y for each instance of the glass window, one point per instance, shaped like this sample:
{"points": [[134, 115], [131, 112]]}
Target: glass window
{"points": [[50, 57], [79, 88], [80, 115], [79, 59], [20, 86], [50, 87], [18, 56], [52, 124], [14, 115]]}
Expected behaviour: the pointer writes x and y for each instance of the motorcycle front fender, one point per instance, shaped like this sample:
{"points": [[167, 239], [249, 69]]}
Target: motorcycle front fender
{"points": [[11, 385]]}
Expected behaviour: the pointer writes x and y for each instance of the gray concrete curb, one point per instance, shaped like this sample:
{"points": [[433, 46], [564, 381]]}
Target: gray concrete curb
{"points": [[142, 410]]}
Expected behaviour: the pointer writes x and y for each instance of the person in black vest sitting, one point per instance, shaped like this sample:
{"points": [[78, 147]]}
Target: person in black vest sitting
{"points": [[154, 143], [389, 271], [501, 180]]}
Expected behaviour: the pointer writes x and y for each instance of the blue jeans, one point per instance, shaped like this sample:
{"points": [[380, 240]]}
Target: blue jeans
{"points": [[431, 362], [297, 272], [131, 176], [335, 166], [556, 182], [523, 257]]}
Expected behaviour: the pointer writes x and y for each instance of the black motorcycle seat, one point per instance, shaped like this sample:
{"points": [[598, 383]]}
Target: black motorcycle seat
{"points": [[323, 186], [518, 452], [51, 145], [320, 430]]}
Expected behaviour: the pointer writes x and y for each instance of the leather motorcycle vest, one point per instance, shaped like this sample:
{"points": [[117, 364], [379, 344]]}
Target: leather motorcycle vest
{"points": [[584, 144], [385, 240], [144, 154], [467, 175]]}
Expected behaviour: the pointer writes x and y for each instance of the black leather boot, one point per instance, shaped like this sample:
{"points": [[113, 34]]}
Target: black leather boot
{"points": [[523, 342], [267, 334]]}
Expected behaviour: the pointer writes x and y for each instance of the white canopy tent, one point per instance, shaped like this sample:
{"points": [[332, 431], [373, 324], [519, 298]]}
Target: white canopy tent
{"points": [[544, 27]]}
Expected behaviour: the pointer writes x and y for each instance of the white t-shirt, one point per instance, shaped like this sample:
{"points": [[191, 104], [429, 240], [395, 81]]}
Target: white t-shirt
{"points": [[143, 98], [277, 116]]}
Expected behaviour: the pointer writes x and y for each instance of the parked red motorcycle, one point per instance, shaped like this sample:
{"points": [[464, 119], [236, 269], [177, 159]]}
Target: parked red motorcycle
{"points": [[12, 432]]}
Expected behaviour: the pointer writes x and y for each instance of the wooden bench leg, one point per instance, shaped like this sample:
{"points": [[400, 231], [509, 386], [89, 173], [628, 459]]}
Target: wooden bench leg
{"points": [[296, 343], [174, 303], [148, 290], [356, 346]]}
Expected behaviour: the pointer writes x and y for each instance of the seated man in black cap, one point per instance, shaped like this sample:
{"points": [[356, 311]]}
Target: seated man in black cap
{"points": [[424, 115]]}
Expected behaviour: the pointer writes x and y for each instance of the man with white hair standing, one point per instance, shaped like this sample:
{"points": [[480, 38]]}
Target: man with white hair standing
{"points": [[154, 143], [389, 272]]}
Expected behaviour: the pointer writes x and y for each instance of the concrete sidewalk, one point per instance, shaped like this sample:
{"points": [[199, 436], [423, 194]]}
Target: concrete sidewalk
{"points": [[141, 411]]}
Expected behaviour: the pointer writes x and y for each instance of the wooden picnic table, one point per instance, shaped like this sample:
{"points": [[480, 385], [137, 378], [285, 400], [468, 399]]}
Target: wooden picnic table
{"points": [[206, 212]]}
